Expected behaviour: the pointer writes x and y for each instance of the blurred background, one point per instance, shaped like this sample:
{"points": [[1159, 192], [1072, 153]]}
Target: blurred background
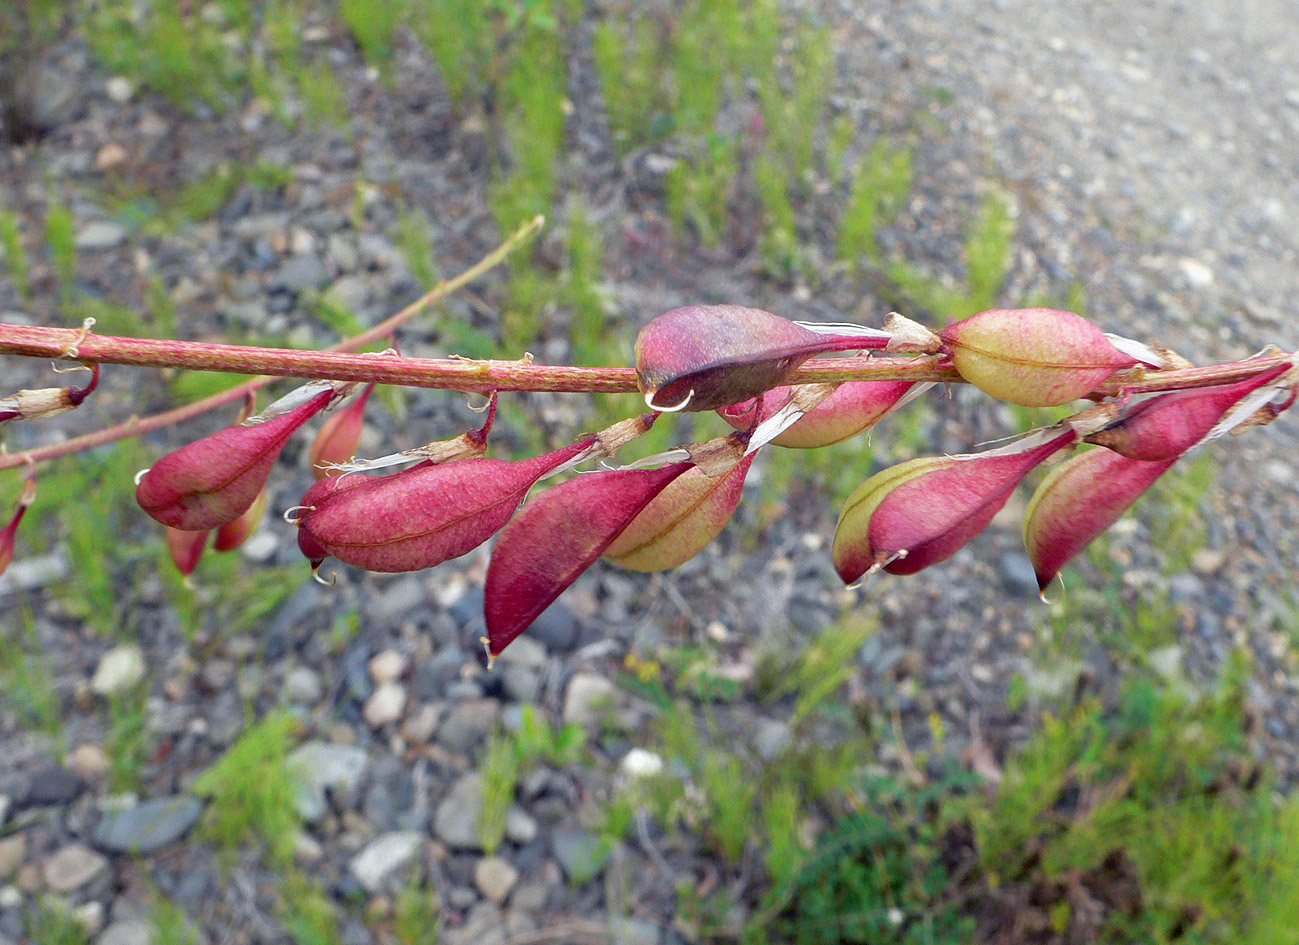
{"points": [[738, 750]]}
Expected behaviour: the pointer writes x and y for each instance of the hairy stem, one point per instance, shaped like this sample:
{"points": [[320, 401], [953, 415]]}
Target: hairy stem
{"points": [[56, 342]]}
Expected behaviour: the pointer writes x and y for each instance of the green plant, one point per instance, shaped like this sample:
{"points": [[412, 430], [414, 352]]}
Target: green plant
{"points": [[14, 255], [500, 773], [374, 26], [418, 918]]}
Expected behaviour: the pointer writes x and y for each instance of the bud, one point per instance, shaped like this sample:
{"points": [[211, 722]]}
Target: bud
{"points": [[339, 435], [852, 408], [186, 548], [922, 512], [47, 401], [1036, 357], [8, 534], [556, 537], [232, 535], [701, 357], [1166, 426], [214, 480], [421, 516], [681, 520], [1077, 501]]}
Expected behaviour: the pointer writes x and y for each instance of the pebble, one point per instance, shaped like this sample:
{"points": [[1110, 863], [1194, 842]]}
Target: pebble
{"points": [[587, 699], [100, 234], [456, 820], [304, 686], [526, 652], [73, 867], [120, 669], [130, 931], [421, 723], [520, 826], [388, 666], [468, 724], [557, 628], [12, 851], [53, 786], [385, 705], [326, 766], [384, 857], [149, 826], [1017, 574], [494, 878], [639, 763], [300, 274], [90, 762], [119, 89]]}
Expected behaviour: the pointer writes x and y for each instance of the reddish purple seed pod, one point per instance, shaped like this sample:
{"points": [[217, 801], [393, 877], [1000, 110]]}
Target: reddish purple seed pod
{"points": [[1166, 426], [1078, 500], [852, 408], [556, 537], [701, 357], [232, 535], [186, 548], [214, 480], [921, 512], [8, 534], [422, 516]]}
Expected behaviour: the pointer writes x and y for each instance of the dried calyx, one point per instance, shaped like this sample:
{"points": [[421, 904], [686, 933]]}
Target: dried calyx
{"points": [[47, 401]]}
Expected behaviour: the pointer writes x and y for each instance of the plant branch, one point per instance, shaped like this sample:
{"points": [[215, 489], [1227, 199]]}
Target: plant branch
{"points": [[138, 426]]}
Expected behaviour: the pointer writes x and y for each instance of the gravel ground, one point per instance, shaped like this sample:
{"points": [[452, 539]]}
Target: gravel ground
{"points": [[1146, 147]]}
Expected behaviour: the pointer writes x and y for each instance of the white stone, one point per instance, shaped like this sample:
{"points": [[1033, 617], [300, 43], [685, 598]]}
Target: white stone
{"points": [[72, 867], [383, 857], [587, 696], [388, 666], [639, 763], [119, 669], [386, 705], [1196, 273], [494, 878], [120, 89]]}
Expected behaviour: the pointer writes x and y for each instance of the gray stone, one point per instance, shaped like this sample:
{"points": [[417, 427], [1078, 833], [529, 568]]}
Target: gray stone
{"points": [[519, 682], [771, 738], [494, 878], [1017, 574], [301, 273], [530, 896], [384, 857], [119, 669], [148, 826], [303, 685], [468, 724], [587, 698], [456, 820], [127, 932], [100, 234], [556, 629], [73, 867], [323, 766], [524, 651], [520, 826], [580, 855], [51, 787]]}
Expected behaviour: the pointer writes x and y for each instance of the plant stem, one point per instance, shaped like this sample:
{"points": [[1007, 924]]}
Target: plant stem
{"points": [[138, 426]]}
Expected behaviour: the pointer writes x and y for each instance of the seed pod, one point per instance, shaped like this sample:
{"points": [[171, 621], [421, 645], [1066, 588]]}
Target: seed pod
{"points": [[422, 516], [8, 534], [1037, 357], [186, 548], [681, 520], [337, 439], [1166, 426], [922, 512], [214, 480], [701, 357], [47, 401], [852, 408], [1078, 500], [232, 535], [556, 537]]}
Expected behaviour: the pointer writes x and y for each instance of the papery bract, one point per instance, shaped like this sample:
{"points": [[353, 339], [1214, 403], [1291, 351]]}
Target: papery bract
{"points": [[701, 357], [921, 512], [47, 401], [422, 516], [232, 535], [186, 548], [1037, 357], [1167, 425], [681, 520], [1077, 501], [214, 480], [556, 537], [339, 435], [853, 407]]}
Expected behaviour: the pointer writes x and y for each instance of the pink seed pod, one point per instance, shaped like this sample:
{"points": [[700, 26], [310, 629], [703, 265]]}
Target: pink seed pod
{"points": [[8, 534], [681, 520], [214, 480], [186, 548], [1036, 357], [232, 535], [556, 537], [47, 401], [422, 516], [921, 512], [1078, 500], [337, 439], [1166, 426], [852, 408], [702, 357]]}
